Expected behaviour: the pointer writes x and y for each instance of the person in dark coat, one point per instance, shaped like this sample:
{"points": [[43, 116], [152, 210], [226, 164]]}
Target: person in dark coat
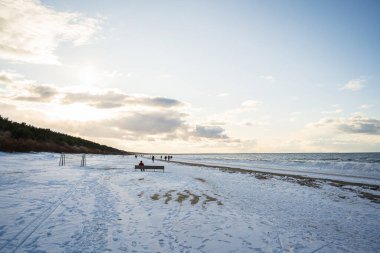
{"points": [[141, 165]]}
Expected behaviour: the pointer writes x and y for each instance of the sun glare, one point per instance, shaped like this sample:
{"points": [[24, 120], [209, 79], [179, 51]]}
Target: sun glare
{"points": [[88, 76]]}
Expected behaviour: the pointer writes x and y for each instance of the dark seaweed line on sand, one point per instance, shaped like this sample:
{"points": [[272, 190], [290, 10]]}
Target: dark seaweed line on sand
{"points": [[251, 171]]}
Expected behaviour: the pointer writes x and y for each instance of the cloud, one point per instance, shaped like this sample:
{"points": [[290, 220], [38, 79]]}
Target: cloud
{"points": [[31, 32], [216, 123], [8, 77], [102, 99], [160, 102], [111, 99], [338, 110], [252, 104], [353, 85], [211, 132], [365, 106], [4, 107], [222, 95], [150, 123], [39, 93], [19, 88], [256, 123], [357, 124], [137, 118], [114, 74], [268, 78], [4, 78]]}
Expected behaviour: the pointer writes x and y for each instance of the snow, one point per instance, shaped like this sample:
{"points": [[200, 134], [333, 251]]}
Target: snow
{"points": [[108, 207]]}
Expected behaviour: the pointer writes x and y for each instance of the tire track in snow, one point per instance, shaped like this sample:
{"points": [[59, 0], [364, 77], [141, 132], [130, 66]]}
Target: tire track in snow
{"points": [[19, 239]]}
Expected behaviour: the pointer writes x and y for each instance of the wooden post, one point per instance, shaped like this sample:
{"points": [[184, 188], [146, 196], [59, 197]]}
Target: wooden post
{"points": [[83, 162], [62, 160]]}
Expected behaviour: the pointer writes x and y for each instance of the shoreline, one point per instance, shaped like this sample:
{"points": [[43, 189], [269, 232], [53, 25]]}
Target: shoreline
{"points": [[266, 174]]}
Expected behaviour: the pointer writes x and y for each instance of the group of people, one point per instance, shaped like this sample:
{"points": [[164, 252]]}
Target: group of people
{"points": [[169, 157], [166, 158]]}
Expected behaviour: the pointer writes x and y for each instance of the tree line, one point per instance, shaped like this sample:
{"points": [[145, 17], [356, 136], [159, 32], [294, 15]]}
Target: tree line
{"points": [[22, 134]]}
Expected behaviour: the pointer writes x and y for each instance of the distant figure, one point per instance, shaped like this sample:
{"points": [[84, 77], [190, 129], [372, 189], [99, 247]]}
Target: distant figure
{"points": [[161, 157], [135, 156], [153, 158], [165, 158], [141, 165]]}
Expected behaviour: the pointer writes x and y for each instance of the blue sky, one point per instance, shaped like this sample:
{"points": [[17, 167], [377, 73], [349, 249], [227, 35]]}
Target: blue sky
{"points": [[203, 76]]}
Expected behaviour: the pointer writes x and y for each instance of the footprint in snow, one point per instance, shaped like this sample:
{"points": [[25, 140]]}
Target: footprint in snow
{"points": [[201, 247], [20, 222]]}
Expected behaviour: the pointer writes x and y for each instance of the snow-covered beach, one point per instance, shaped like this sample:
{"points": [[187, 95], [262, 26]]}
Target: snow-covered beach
{"points": [[107, 206]]}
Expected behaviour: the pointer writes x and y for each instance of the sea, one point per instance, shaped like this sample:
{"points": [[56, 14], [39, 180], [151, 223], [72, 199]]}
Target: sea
{"points": [[352, 165]]}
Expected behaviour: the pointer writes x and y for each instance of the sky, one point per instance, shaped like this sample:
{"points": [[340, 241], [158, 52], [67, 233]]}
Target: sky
{"points": [[196, 76]]}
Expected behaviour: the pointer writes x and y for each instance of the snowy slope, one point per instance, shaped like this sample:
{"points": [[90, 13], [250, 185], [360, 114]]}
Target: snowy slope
{"points": [[107, 206]]}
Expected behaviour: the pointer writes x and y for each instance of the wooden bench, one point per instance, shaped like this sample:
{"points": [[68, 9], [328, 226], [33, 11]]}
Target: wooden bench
{"points": [[149, 167]]}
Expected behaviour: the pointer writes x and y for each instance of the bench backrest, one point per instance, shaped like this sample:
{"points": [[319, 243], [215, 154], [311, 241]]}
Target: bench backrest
{"points": [[149, 167]]}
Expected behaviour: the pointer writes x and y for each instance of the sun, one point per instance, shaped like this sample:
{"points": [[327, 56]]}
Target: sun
{"points": [[88, 76]]}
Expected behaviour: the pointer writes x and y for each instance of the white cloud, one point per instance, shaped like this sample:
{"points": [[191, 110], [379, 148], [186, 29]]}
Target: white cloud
{"points": [[216, 123], [268, 78], [8, 77], [357, 124], [294, 116], [223, 95], [31, 32], [252, 104], [5, 78], [353, 85], [336, 111], [18, 88], [15, 85], [365, 106], [114, 74]]}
